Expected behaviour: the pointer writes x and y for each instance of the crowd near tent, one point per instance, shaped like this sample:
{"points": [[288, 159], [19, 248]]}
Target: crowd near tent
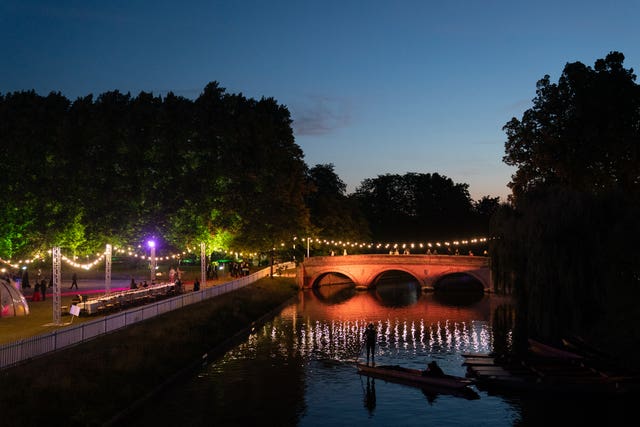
{"points": [[12, 301]]}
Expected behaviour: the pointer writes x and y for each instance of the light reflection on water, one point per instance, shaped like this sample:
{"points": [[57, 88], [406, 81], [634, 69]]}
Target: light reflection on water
{"points": [[298, 369]]}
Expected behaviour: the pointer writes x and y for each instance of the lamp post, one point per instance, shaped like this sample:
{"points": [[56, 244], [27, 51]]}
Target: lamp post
{"points": [[107, 269], [56, 279], [152, 246], [203, 265]]}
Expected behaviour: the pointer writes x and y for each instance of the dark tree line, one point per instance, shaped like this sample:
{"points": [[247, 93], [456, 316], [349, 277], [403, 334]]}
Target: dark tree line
{"points": [[334, 214], [221, 169], [568, 245], [422, 206]]}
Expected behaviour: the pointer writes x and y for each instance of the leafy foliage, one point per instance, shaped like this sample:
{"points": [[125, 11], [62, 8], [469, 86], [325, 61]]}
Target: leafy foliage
{"points": [[419, 206], [334, 215], [582, 132], [121, 168]]}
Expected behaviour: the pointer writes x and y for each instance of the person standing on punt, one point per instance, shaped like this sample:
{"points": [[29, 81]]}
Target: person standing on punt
{"points": [[370, 336]]}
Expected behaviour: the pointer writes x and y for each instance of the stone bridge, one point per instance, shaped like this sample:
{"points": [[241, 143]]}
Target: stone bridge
{"points": [[365, 270]]}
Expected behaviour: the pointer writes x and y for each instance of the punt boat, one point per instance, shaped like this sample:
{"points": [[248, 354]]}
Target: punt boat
{"points": [[414, 377]]}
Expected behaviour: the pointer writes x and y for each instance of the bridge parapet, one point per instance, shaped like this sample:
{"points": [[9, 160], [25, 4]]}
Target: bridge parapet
{"points": [[480, 261]]}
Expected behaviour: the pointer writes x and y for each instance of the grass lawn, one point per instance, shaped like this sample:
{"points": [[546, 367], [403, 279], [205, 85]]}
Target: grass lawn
{"points": [[39, 321]]}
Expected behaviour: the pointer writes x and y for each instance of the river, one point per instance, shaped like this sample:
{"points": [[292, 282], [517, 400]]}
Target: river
{"points": [[298, 369]]}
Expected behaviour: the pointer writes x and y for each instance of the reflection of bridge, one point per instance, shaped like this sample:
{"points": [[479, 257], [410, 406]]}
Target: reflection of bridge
{"points": [[365, 270]]}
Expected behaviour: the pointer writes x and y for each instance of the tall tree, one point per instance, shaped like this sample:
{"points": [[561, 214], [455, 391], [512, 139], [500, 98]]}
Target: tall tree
{"points": [[582, 132], [563, 247], [334, 215], [416, 206], [33, 136], [266, 175], [483, 210]]}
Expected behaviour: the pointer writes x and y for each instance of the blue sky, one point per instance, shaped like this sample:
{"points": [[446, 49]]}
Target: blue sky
{"points": [[373, 87]]}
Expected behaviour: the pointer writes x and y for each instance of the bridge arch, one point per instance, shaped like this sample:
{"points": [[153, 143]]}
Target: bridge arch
{"points": [[458, 281], [397, 290], [334, 294], [316, 280], [376, 276]]}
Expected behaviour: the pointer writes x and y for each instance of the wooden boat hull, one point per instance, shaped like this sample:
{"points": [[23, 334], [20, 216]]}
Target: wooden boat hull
{"points": [[545, 350], [413, 377], [577, 345]]}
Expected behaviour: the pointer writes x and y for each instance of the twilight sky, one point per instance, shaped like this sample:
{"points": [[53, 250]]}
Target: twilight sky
{"points": [[373, 86]]}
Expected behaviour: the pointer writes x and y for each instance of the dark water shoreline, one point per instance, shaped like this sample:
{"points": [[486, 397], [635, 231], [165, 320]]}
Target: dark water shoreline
{"points": [[103, 377]]}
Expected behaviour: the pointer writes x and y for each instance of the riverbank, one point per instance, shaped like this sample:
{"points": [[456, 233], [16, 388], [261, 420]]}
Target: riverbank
{"points": [[40, 316], [92, 383]]}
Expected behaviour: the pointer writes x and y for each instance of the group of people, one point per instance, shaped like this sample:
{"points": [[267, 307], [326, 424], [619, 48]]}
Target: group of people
{"points": [[42, 282], [134, 285], [239, 269], [179, 286], [175, 274], [434, 251], [41, 285], [39, 290], [344, 252], [144, 284], [396, 251], [370, 339], [212, 271]]}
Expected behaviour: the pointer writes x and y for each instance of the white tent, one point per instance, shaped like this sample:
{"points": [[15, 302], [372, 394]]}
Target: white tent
{"points": [[12, 301]]}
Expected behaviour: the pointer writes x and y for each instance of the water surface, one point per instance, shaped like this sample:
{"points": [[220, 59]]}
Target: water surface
{"points": [[299, 369]]}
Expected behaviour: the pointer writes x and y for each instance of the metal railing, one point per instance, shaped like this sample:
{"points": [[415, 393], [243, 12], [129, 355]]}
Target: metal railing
{"points": [[14, 353]]}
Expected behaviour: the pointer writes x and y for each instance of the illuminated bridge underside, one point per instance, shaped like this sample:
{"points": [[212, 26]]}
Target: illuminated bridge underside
{"points": [[364, 270]]}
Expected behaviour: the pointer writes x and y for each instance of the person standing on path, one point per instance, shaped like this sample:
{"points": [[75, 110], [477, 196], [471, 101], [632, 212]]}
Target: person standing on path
{"points": [[25, 279], [36, 293], [74, 281]]}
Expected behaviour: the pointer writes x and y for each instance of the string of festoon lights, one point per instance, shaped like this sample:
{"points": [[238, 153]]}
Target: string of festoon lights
{"points": [[134, 252], [99, 257], [405, 245]]}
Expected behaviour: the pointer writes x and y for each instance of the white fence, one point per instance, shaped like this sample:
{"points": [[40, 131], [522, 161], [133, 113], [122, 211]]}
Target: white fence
{"points": [[16, 352]]}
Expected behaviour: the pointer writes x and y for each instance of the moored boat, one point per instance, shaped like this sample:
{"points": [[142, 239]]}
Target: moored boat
{"points": [[549, 374], [546, 350], [578, 345]]}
